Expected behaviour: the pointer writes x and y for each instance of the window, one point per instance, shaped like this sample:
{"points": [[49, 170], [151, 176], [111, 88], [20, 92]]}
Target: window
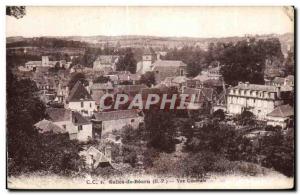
{"points": [[64, 126], [79, 127], [132, 120], [181, 72], [81, 104], [90, 105]]}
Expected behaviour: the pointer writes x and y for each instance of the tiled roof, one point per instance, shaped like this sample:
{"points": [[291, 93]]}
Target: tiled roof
{"points": [[203, 93], [255, 87], [37, 63], [128, 77], [106, 59], [115, 115], [148, 51], [282, 111], [213, 82], [46, 126], [130, 89], [62, 114], [179, 79], [99, 86], [290, 77], [201, 78], [58, 114], [79, 93], [278, 80], [168, 63]]}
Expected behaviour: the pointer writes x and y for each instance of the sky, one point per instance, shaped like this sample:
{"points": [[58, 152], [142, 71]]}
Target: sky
{"points": [[155, 21]]}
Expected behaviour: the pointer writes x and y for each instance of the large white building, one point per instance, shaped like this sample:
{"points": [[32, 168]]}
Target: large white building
{"points": [[259, 99]]}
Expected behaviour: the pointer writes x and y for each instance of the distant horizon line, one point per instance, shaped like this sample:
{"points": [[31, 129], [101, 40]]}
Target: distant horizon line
{"points": [[156, 36]]}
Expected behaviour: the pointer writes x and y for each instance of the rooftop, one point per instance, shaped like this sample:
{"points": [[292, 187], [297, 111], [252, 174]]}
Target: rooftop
{"points": [[46, 126], [256, 87], [79, 93], [168, 63], [99, 86], [115, 115], [282, 111], [62, 114]]}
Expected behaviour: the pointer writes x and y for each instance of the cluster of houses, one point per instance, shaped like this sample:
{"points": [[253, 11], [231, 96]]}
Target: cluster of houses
{"points": [[78, 112]]}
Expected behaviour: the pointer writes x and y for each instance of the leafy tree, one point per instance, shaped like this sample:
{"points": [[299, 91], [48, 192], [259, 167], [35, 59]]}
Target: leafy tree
{"points": [[279, 152], [16, 11], [77, 77], [212, 137], [127, 62], [160, 130], [246, 118], [245, 60], [219, 114], [195, 59], [148, 79], [24, 109], [290, 64]]}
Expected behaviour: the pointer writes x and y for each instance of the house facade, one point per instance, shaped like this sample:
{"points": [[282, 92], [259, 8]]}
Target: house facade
{"points": [[73, 122], [105, 63], [45, 62], [106, 122], [259, 99], [80, 100], [168, 68], [280, 116]]}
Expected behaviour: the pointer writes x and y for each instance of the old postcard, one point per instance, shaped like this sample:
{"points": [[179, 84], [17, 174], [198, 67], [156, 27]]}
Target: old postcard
{"points": [[130, 97]]}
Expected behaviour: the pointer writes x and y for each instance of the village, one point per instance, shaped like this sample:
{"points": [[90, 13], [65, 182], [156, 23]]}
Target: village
{"points": [[71, 93]]}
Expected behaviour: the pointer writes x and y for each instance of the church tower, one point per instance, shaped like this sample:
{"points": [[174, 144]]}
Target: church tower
{"points": [[147, 60]]}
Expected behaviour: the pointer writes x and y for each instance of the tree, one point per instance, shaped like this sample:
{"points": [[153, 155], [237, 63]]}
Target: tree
{"points": [[219, 114], [212, 137], [195, 58], [24, 109], [148, 79], [127, 62], [160, 130], [245, 60], [16, 11], [246, 118], [289, 63], [279, 152], [77, 77]]}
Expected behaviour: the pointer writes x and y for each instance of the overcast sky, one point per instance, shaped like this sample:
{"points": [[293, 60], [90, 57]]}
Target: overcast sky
{"points": [[157, 21]]}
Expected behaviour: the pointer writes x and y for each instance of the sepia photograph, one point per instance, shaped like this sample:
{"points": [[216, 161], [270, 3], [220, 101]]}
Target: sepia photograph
{"points": [[150, 97]]}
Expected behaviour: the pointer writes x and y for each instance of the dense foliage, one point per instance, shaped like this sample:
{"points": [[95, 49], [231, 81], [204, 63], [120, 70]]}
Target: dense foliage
{"points": [[27, 149], [127, 62], [241, 61], [148, 79]]}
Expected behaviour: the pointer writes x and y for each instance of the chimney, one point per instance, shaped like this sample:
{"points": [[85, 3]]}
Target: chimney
{"points": [[247, 84], [278, 92], [240, 83], [158, 56], [71, 116], [108, 153]]}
